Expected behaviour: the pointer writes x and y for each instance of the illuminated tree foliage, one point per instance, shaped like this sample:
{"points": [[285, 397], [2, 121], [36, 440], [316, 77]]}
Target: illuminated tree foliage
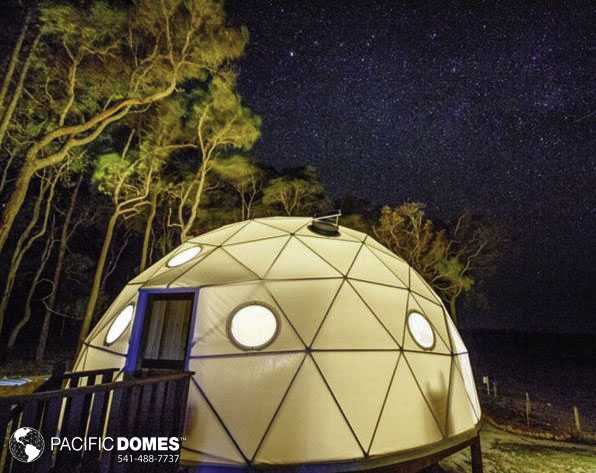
{"points": [[219, 122], [36, 228], [302, 194], [245, 177], [91, 66], [451, 259], [122, 124], [126, 178]]}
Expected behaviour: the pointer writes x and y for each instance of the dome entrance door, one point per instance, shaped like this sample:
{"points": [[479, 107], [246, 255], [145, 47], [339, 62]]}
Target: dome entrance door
{"points": [[167, 320]]}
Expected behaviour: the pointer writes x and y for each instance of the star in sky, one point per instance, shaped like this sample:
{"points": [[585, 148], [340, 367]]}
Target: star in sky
{"points": [[478, 107]]}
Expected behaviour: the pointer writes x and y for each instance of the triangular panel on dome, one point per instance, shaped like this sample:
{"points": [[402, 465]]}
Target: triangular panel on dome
{"points": [[372, 243], [290, 225], [120, 345], [263, 379], [457, 343], [297, 261], [351, 325], [219, 236], [432, 372], [308, 414], [254, 231], [355, 234], [161, 266], [152, 270], [406, 420], [389, 304], [437, 317], [217, 268], [419, 286], [460, 415], [189, 456], [339, 254], [207, 432], [463, 365], [359, 381], [258, 255], [166, 274], [368, 267], [410, 344], [305, 303], [79, 364], [99, 359], [128, 295], [397, 266], [216, 306]]}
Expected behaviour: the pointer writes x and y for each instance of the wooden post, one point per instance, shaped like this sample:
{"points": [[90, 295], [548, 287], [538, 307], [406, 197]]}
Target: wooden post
{"points": [[578, 425], [528, 409], [476, 451], [486, 381]]}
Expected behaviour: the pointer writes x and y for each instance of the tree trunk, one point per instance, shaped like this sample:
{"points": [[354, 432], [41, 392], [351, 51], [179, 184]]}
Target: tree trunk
{"points": [[453, 309], [4, 178], [23, 244], [250, 202], [12, 207], [73, 136], [97, 279], [16, 96], [64, 235], [243, 206], [47, 251], [186, 229], [14, 58], [148, 229], [10, 280]]}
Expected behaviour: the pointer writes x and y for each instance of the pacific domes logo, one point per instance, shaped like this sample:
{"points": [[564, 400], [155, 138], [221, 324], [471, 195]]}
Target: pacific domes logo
{"points": [[26, 444]]}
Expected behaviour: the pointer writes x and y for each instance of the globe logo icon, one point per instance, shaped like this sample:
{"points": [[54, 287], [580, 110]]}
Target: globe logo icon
{"points": [[26, 444]]}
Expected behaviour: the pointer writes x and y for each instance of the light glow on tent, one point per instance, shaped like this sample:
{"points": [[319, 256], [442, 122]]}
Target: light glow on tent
{"points": [[296, 342], [120, 324], [253, 326], [184, 256], [421, 330]]}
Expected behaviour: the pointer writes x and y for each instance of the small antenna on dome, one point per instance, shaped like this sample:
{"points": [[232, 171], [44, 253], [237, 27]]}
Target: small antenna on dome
{"points": [[327, 225]]}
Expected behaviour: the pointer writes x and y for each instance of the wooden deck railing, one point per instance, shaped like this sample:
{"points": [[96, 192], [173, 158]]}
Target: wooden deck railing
{"points": [[91, 404]]}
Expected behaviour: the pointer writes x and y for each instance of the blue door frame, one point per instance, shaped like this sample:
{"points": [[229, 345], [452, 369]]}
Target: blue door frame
{"points": [[136, 336]]}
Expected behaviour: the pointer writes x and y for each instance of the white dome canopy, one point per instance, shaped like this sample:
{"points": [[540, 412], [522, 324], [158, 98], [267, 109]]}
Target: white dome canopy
{"points": [[350, 356]]}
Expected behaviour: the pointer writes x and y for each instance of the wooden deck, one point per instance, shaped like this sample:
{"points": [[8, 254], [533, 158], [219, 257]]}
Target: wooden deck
{"points": [[92, 404]]}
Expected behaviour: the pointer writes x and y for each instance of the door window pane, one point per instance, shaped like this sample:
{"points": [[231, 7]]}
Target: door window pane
{"points": [[166, 331]]}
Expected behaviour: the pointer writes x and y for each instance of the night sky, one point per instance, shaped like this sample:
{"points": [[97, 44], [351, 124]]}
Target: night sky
{"points": [[480, 107]]}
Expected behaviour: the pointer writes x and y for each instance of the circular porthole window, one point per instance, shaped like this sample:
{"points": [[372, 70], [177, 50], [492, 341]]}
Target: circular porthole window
{"points": [[421, 330], [253, 326], [184, 256], [120, 324]]}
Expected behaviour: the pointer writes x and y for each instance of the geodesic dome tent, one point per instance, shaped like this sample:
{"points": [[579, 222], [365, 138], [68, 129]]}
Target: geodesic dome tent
{"points": [[308, 346]]}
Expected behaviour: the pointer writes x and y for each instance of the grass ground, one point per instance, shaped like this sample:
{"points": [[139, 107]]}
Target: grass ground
{"points": [[508, 453]]}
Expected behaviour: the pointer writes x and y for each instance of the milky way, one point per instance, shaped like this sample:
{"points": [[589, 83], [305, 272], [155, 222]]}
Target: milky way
{"points": [[484, 108]]}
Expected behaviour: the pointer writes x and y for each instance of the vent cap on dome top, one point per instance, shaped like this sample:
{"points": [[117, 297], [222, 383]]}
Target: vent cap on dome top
{"points": [[327, 225]]}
